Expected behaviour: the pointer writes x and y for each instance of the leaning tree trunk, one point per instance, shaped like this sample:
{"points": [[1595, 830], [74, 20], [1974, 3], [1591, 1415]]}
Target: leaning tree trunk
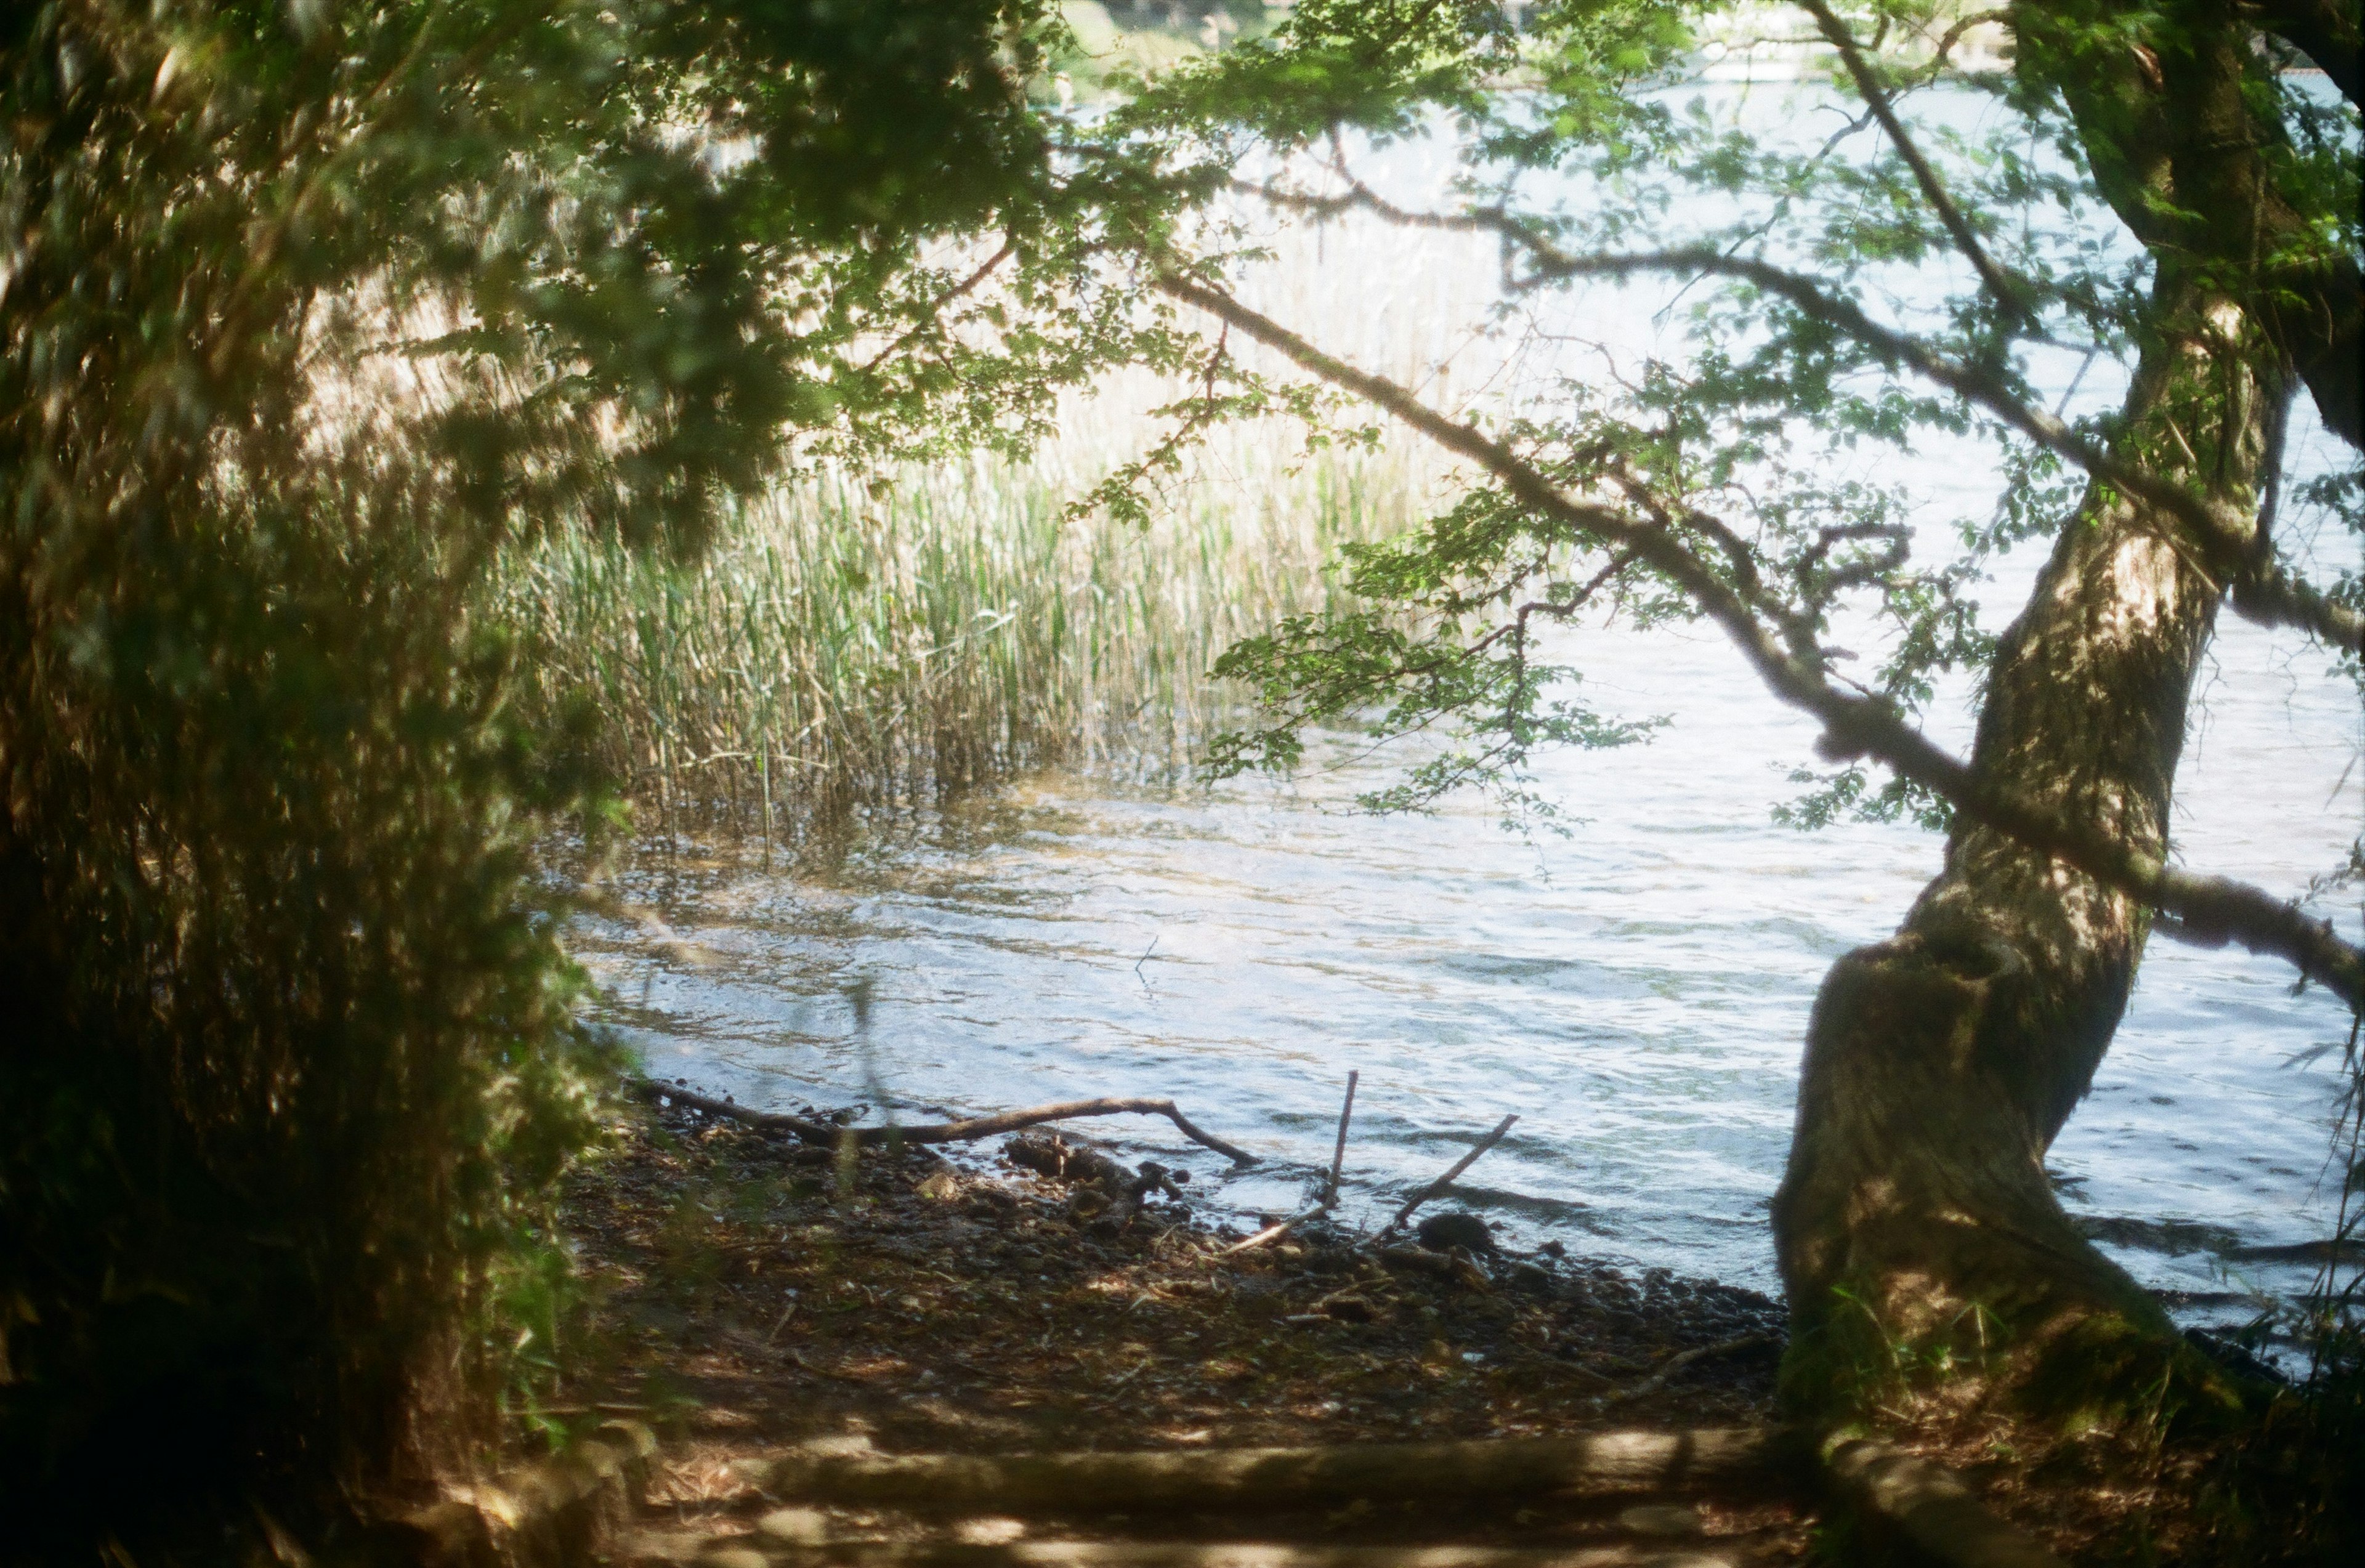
{"points": [[1941, 1063], [1915, 1224]]}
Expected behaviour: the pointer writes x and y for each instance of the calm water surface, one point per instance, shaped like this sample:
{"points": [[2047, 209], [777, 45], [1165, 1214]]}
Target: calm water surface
{"points": [[1637, 992]]}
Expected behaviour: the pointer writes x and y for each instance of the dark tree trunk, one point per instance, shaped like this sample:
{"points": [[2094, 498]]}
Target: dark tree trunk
{"points": [[1941, 1063], [1915, 1224]]}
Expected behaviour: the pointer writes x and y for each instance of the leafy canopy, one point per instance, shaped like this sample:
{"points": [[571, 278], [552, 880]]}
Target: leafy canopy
{"points": [[306, 310], [1854, 283]]}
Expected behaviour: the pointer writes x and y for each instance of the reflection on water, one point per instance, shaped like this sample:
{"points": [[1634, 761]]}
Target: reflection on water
{"points": [[1637, 992]]}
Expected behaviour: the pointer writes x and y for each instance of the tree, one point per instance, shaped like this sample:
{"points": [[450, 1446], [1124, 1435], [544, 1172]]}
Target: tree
{"points": [[1943, 1062], [307, 311]]}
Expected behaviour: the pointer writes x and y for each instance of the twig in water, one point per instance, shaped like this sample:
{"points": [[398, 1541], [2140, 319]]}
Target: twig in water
{"points": [[1279, 1229], [1338, 1156], [1442, 1182]]}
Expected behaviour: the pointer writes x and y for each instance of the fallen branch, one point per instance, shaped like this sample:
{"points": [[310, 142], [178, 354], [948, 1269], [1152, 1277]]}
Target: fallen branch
{"points": [[1221, 1479], [1442, 1182], [1682, 1358], [941, 1131]]}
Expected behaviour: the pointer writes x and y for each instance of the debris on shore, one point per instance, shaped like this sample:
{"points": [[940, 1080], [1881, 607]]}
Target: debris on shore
{"points": [[753, 1291]]}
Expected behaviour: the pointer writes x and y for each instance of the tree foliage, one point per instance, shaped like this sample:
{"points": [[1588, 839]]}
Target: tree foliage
{"points": [[304, 311], [1875, 289], [2150, 187]]}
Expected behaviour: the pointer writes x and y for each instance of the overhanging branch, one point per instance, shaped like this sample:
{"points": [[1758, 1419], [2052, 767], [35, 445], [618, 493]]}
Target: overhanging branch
{"points": [[2223, 532], [1853, 724], [2265, 591], [2011, 293]]}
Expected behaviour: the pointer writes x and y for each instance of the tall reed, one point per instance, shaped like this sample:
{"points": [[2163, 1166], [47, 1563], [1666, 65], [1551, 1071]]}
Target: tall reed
{"points": [[849, 646], [839, 648]]}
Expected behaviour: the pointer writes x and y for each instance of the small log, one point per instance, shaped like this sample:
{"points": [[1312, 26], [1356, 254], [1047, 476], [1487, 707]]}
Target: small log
{"points": [[1442, 1182], [1184, 1554], [941, 1131], [1202, 1480]]}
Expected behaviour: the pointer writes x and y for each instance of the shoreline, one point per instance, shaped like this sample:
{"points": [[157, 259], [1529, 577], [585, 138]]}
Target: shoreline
{"points": [[749, 1294]]}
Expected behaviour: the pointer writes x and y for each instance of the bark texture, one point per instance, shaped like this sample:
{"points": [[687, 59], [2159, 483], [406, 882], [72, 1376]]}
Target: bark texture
{"points": [[1915, 1221]]}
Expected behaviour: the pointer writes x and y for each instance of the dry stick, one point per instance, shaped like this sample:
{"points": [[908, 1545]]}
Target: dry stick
{"points": [[1330, 1189], [1682, 1358], [1274, 1232], [1442, 1182], [943, 1132], [1338, 1156]]}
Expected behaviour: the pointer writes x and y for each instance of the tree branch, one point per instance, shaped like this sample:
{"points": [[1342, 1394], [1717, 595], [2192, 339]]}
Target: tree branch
{"points": [[941, 1131], [2265, 591], [1854, 724], [2323, 30], [937, 305], [2012, 294], [1954, 35]]}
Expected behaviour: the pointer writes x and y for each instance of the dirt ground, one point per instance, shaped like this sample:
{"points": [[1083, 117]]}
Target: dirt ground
{"points": [[751, 1293]]}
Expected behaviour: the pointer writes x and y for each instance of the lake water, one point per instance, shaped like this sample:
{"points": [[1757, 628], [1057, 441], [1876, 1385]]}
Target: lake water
{"points": [[1636, 993]]}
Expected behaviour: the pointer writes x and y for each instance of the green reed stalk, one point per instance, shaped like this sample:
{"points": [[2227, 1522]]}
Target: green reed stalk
{"points": [[845, 645]]}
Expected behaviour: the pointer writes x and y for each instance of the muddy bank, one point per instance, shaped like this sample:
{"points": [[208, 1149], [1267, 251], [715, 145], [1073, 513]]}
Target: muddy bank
{"points": [[752, 1293]]}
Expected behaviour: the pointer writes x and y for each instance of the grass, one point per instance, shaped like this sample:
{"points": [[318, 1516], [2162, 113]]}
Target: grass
{"points": [[850, 646]]}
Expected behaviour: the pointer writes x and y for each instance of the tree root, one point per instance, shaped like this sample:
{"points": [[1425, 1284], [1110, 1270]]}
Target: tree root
{"points": [[1906, 1501]]}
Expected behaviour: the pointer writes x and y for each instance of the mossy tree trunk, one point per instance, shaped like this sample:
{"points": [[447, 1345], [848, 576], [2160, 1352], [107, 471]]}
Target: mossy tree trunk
{"points": [[1915, 1224]]}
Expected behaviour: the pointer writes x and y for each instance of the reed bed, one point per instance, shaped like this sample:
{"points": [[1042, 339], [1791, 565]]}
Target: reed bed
{"points": [[842, 650]]}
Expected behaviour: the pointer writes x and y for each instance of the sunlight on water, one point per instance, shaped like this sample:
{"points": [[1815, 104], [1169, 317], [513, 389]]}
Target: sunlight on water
{"points": [[1637, 992]]}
